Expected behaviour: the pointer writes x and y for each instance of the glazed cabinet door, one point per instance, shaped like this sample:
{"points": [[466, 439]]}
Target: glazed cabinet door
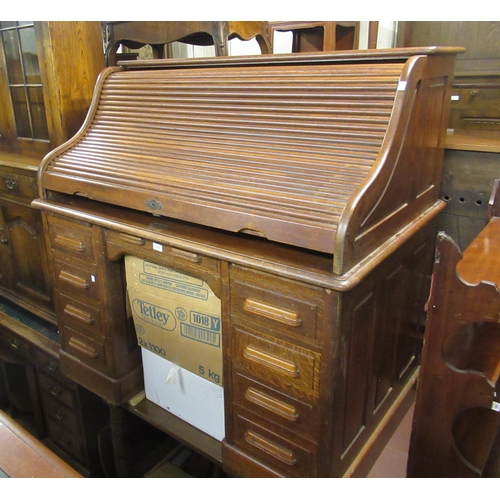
{"points": [[24, 267]]}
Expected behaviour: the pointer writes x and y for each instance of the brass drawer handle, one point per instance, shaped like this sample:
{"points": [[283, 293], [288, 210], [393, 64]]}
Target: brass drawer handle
{"points": [[11, 183], [268, 311], [51, 366], [14, 343], [78, 314], [183, 254], [55, 391], [75, 245], [272, 404], [83, 348], [59, 415], [73, 280], [271, 361], [277, 451]]}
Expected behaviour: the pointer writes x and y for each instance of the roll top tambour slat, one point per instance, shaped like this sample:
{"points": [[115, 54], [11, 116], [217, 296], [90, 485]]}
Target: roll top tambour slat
{"points": [[280, 142]]}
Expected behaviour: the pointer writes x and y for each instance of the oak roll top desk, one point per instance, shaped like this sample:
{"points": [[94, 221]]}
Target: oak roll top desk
{"points": [[303, 190]]}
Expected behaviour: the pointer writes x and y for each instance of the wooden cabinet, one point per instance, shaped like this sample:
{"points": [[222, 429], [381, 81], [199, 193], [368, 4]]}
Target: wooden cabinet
{"points": [[48, 71], [47, 74], [67, 417], [312, 36], [73, 416], [25, 276], [83, 281], [475, 101]]}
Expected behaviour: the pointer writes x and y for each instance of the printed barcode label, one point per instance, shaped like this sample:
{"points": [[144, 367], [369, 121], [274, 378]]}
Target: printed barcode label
{"points": [[200, 334]]}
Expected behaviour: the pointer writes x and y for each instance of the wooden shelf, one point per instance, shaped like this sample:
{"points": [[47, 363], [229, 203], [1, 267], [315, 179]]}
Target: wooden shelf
{"points": [[178, 429], [473, 140]]}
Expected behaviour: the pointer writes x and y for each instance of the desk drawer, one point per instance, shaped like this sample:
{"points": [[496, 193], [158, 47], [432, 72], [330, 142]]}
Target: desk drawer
{"points": [[294, 458], [60, 413], [71, 237], [287, 367], [65, 439], [275, 304], [79, 315], [57, 390], [46, 362], [85, 348], [16, 343], [80, 278], [186, 261], [297, 416], [16, 186]]}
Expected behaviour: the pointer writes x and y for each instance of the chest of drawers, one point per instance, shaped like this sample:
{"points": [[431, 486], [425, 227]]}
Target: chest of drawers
{"points": [[67, 417]]}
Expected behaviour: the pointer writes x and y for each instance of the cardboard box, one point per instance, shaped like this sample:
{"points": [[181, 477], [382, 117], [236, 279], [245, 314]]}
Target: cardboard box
{"points": [[186, 395], [177, 317]]}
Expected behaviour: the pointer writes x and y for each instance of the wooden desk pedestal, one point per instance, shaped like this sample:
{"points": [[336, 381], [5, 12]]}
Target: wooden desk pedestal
{"points": [[312, 362]]}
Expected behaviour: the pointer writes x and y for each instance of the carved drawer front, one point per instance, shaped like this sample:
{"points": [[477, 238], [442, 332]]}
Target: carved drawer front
{"points": [[57, 390], [87, 349], [71, 238], [297, 416], [79, 314], [275, 304], [65, 439], [17, 186], [291, 368], [80, 278], [292, 458]]}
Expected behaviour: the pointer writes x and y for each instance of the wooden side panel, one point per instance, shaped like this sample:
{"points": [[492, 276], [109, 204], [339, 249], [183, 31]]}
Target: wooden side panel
{"points": [[359, 340], [73, 57], [380, 340], [405, 179]]}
